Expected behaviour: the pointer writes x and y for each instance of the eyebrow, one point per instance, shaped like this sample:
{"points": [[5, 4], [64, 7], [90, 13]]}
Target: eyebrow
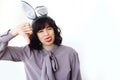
{"points": [[48, 26]]}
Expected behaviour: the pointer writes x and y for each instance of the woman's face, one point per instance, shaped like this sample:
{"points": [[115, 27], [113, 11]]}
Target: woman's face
{"points": [[46, 35]]}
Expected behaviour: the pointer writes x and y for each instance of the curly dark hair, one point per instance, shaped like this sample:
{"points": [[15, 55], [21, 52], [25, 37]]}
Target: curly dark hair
{"points": [[39, 24]]}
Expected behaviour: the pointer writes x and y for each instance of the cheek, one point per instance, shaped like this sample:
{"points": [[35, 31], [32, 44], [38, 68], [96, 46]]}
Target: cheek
{"points": [[53, 35], [39, 37]]}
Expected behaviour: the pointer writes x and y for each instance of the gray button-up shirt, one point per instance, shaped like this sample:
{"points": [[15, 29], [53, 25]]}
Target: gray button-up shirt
{"points": [[62, 63]]}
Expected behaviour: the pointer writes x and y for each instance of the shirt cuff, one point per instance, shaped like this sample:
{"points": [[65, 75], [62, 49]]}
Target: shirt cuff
{"points": [[6, 37]]}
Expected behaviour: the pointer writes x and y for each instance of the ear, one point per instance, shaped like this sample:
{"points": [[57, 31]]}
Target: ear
{"points": [[41, 11], [28, 10]]}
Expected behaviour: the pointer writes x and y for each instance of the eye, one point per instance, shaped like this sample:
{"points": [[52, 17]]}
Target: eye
{"points": [[40, 31], [49, 28]]}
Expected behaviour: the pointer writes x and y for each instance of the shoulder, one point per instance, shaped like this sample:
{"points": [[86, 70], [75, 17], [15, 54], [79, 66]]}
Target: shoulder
{"points": [[26, 48], [69, 53], [68, 50], [28, 52]]}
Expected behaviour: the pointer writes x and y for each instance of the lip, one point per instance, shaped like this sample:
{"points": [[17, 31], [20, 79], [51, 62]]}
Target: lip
{"points": [[48, 39]]}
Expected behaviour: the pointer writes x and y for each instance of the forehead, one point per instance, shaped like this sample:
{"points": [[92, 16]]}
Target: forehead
{"points": [[43, 26], [47, 25]]}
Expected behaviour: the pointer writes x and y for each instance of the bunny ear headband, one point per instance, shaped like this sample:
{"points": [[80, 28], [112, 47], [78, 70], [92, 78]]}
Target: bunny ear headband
{"points": [[32, 13]]}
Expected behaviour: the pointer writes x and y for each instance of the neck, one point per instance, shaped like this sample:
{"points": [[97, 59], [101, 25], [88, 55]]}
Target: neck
{"points": [[48, 48]]}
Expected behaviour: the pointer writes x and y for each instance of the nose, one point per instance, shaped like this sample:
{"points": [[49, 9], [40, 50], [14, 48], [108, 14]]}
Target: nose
{"points": [[46, 32]]}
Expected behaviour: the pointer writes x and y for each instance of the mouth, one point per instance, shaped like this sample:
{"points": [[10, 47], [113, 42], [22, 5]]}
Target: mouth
{"points": [[48, 39]]}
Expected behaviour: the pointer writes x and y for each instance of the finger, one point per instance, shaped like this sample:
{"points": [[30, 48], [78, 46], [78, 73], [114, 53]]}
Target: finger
{"points": [[28, 30], [26, 24]]}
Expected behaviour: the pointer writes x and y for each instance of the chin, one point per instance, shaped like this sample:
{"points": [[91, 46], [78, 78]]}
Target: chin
{"points": [[49, 44]]}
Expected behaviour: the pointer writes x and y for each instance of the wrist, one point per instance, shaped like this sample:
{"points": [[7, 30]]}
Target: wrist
{"points": [[14, 33]]}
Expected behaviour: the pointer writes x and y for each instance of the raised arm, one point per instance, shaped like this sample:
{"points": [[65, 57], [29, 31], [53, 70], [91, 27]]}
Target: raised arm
{"points": [[14, 53], [24, 29]]}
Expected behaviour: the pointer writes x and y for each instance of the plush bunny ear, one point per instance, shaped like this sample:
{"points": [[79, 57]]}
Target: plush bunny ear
{"points": [[28, 10], [41, 11]]}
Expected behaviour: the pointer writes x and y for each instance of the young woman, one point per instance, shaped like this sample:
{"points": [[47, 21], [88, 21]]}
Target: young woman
{"points": [[44, 57]]}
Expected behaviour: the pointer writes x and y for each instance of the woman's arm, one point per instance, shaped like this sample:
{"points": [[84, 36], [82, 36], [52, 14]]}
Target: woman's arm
{"points": [[24, 29], [13, 53], [75, 66]]}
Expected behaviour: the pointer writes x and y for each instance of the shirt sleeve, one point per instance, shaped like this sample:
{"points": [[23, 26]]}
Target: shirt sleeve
{"points": [[9, 52], [75, 66]]}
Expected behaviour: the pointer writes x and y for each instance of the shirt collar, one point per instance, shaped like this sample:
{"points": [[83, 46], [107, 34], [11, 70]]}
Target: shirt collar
{"points": [[52, 50]]}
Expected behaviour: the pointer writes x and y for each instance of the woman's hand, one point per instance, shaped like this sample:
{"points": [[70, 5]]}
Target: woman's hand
{"points": [[24, 29]]}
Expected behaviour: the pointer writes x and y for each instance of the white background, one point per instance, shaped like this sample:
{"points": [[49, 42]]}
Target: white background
{"points": [[92, 27]]}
